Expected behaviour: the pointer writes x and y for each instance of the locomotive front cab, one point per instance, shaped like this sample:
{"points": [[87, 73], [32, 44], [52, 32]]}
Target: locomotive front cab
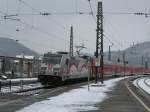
{"points": [[52, 62], [50, 68]]}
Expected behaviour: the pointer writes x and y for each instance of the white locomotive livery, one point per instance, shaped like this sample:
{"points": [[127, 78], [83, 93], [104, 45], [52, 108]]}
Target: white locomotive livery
{"points": [[60, 67]]}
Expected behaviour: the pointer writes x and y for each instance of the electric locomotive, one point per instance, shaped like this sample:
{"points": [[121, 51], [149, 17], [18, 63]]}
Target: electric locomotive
{"points": [[56, 67]]}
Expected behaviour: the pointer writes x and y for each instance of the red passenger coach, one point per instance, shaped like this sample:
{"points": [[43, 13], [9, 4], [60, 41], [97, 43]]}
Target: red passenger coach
{"points": [[120, 69]]}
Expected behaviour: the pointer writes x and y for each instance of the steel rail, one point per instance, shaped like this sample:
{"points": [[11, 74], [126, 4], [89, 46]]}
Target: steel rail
{"points": [[147, 108], [141, 89], [146, 82]]}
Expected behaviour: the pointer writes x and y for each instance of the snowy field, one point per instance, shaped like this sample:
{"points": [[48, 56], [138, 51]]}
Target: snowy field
{"points": [[75, 100], [141, 82]]}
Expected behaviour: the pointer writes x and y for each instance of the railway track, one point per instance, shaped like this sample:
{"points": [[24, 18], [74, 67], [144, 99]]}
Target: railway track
{"points": [[35, 90], [38, 90], [146, 81], [139, 94], [72, 83], [143, 85], [38, 95]]}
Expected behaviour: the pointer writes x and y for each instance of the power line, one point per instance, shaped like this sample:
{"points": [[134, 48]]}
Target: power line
{"points": [[43, 15], [23, 2], [76, 12], [67, 13], [31, 26], [119, 13], [108, 39], [46, 14], [42, 31], [112, 34], [92, 13], [114, 43], [82, 13], [56, 13], [39, 30], [14, 37]]}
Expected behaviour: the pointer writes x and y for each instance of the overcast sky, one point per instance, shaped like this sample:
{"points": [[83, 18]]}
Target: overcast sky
{"points": [[52, 33]]}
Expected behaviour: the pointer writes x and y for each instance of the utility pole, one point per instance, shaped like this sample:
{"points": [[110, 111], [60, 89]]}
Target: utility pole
{"points": [[3, 65], [109, 55], [124, 62], [142, 61], [99, 41], [142, 64], [71, 42], [21, 64], [146, 65]]}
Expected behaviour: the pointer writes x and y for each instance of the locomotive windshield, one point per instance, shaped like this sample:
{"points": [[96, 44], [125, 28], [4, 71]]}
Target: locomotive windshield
{"points": [[52, 59]]}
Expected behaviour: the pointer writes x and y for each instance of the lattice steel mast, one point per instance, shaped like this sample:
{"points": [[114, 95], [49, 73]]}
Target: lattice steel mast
{"points": [[99, 41], [71, 42]]}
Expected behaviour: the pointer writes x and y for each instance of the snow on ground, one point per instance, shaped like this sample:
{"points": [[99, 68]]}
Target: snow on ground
{"points": [[75, 100], [140, 82], [22, 79], [19, 88]]}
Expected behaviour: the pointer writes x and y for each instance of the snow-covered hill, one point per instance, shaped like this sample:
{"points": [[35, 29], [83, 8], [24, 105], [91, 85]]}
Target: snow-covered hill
{"points": [[134, 55], [10, 47]]}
